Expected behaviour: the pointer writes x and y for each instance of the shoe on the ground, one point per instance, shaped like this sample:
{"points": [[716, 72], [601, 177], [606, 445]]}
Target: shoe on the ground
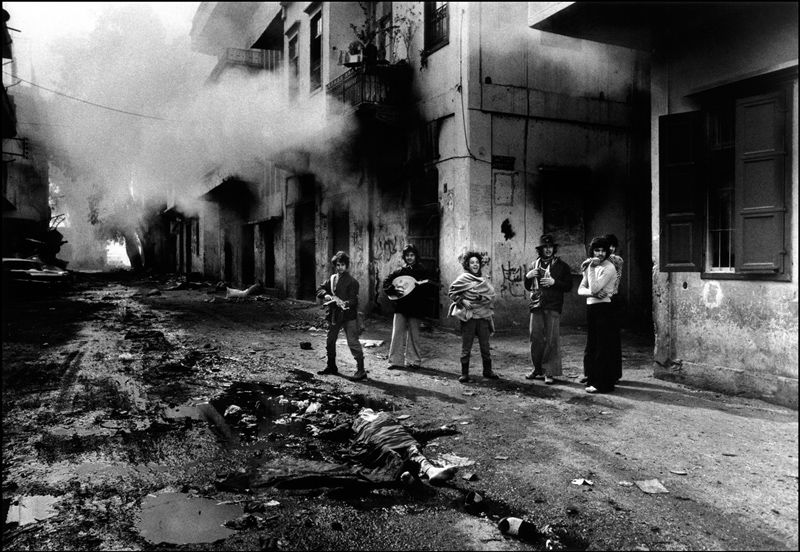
{"points": [[548, 380], [592, 389], [490, 375], [584, 379], [534, 375], [394, 367], [360, 375], [328, 370], [464, 379]]}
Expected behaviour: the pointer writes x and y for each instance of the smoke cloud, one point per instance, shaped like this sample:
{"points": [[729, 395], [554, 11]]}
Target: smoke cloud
{"points": [[176, 129]]}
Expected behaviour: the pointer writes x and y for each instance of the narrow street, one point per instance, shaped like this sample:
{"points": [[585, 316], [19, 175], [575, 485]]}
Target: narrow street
{"points": [[139, 414]]}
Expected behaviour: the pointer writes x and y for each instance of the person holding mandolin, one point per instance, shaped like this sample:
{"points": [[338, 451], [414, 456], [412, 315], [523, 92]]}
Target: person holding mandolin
{"points": [[410, 306], [340, 294]]}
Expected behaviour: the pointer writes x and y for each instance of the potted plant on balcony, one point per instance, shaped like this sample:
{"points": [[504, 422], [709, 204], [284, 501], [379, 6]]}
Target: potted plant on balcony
{"points": [[354, 54]]}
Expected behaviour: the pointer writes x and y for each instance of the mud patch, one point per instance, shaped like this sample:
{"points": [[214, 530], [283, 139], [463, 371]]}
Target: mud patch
{"points": [[178, 518]]}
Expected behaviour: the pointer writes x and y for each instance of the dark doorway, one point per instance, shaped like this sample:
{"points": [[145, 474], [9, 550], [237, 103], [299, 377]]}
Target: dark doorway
{"points": [[305, 212], [228, 262], [423, 230], [248, 255], [340, 232], [187, 245], [268, 239]]}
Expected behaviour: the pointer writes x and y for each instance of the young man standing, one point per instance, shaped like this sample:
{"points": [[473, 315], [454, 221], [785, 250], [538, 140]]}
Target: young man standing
{"points": [[340, 292], [548, 280], [409, 309]]}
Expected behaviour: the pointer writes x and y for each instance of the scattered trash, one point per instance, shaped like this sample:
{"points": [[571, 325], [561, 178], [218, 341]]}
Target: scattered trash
{"points": [[518, 527], [403, 416], [476, 408], [305, 345], [30, 509], [126, 357], [554, 536], [499, 457], [679, 472], [581, 481], [469, 393], [239, 294], [455, 460], [464, 423], [729, 454], [651, 486], [272, 503], [232, 410], [371, 342], [625, 484], [473, 502], [469, 476]]}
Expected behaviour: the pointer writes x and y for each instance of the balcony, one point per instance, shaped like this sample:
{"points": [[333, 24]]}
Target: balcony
{"points": [[378, 85], [268, 60]]}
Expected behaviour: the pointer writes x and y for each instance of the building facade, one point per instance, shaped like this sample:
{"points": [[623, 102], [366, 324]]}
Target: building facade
{"points": [[25, 182], [469, 131], [723, 150]]}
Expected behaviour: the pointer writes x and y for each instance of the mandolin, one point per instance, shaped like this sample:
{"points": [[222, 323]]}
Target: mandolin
{"points": [[405, 285]]}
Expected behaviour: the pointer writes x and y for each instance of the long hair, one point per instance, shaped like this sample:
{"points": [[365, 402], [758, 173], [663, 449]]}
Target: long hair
{"points": [[467, 256]]}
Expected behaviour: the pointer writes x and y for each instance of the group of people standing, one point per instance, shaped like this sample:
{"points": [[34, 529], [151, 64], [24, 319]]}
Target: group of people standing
{"points": [[473, 295]]}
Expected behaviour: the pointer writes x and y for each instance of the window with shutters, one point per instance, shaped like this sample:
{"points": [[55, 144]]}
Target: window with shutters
{"points": [[315, 55], [724, 189]]}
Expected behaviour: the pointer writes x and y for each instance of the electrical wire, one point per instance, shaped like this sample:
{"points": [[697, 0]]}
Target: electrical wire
{"points": [[84, 101]]}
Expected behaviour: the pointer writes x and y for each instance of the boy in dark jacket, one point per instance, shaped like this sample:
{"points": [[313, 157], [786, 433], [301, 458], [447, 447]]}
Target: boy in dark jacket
{"points": [[548, 280], [340, 293]]}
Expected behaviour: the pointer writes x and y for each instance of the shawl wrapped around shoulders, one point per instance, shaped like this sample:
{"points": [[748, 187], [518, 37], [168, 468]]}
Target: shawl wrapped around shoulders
{"points": [[479, 291]]}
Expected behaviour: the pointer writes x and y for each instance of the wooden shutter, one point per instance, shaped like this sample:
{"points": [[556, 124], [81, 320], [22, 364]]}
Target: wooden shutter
{"points": [[760, 193], [681, 191]]}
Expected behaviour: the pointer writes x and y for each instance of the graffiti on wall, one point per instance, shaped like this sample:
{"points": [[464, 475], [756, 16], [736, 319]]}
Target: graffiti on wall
{"points": [[386, 246], [513, 277]]}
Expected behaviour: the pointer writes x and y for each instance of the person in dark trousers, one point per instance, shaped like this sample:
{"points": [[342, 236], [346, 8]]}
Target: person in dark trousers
{"points": [[410, 303], [548, 280], [616, 311], [340, 293], [597, 286], [473, 304]]}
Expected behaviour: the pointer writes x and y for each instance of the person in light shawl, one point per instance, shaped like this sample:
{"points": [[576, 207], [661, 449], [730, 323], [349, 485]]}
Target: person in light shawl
{"points": [[473, 305]]}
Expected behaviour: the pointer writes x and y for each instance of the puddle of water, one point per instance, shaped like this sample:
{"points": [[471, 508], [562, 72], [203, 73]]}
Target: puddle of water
{"points": [[177, 518], [30, 509]]}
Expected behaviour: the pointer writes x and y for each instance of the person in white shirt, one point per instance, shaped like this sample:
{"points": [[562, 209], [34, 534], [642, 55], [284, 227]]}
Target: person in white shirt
{"points": [[597, 285]]}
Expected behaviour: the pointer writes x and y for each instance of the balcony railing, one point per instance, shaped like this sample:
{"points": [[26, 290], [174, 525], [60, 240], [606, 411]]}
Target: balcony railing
{"points": [[376, 85], [263, 59]]}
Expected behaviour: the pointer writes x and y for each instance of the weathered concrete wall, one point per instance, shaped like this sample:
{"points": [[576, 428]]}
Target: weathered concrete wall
{"points": [[738, 336]]}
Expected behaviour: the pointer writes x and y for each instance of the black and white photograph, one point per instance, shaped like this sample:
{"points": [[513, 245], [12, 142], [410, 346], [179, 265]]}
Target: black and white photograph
{"points": [[400, 276]]}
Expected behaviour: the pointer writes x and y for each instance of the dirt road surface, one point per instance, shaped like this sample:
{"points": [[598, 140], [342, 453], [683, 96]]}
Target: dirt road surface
{"points": [[137, 416]]}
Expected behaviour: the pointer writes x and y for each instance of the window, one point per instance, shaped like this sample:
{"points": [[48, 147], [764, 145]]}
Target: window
{"points": [[294, 68], [316, 51], [437, 25], [724, 190]]}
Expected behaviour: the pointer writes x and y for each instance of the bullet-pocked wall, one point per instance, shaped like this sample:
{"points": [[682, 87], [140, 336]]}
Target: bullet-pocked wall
{"points": [[550, 143], [737, 334]]}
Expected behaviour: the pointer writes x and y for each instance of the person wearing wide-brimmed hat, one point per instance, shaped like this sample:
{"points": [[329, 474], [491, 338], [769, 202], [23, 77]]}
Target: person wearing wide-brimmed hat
{"points": [[547, 281]]}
